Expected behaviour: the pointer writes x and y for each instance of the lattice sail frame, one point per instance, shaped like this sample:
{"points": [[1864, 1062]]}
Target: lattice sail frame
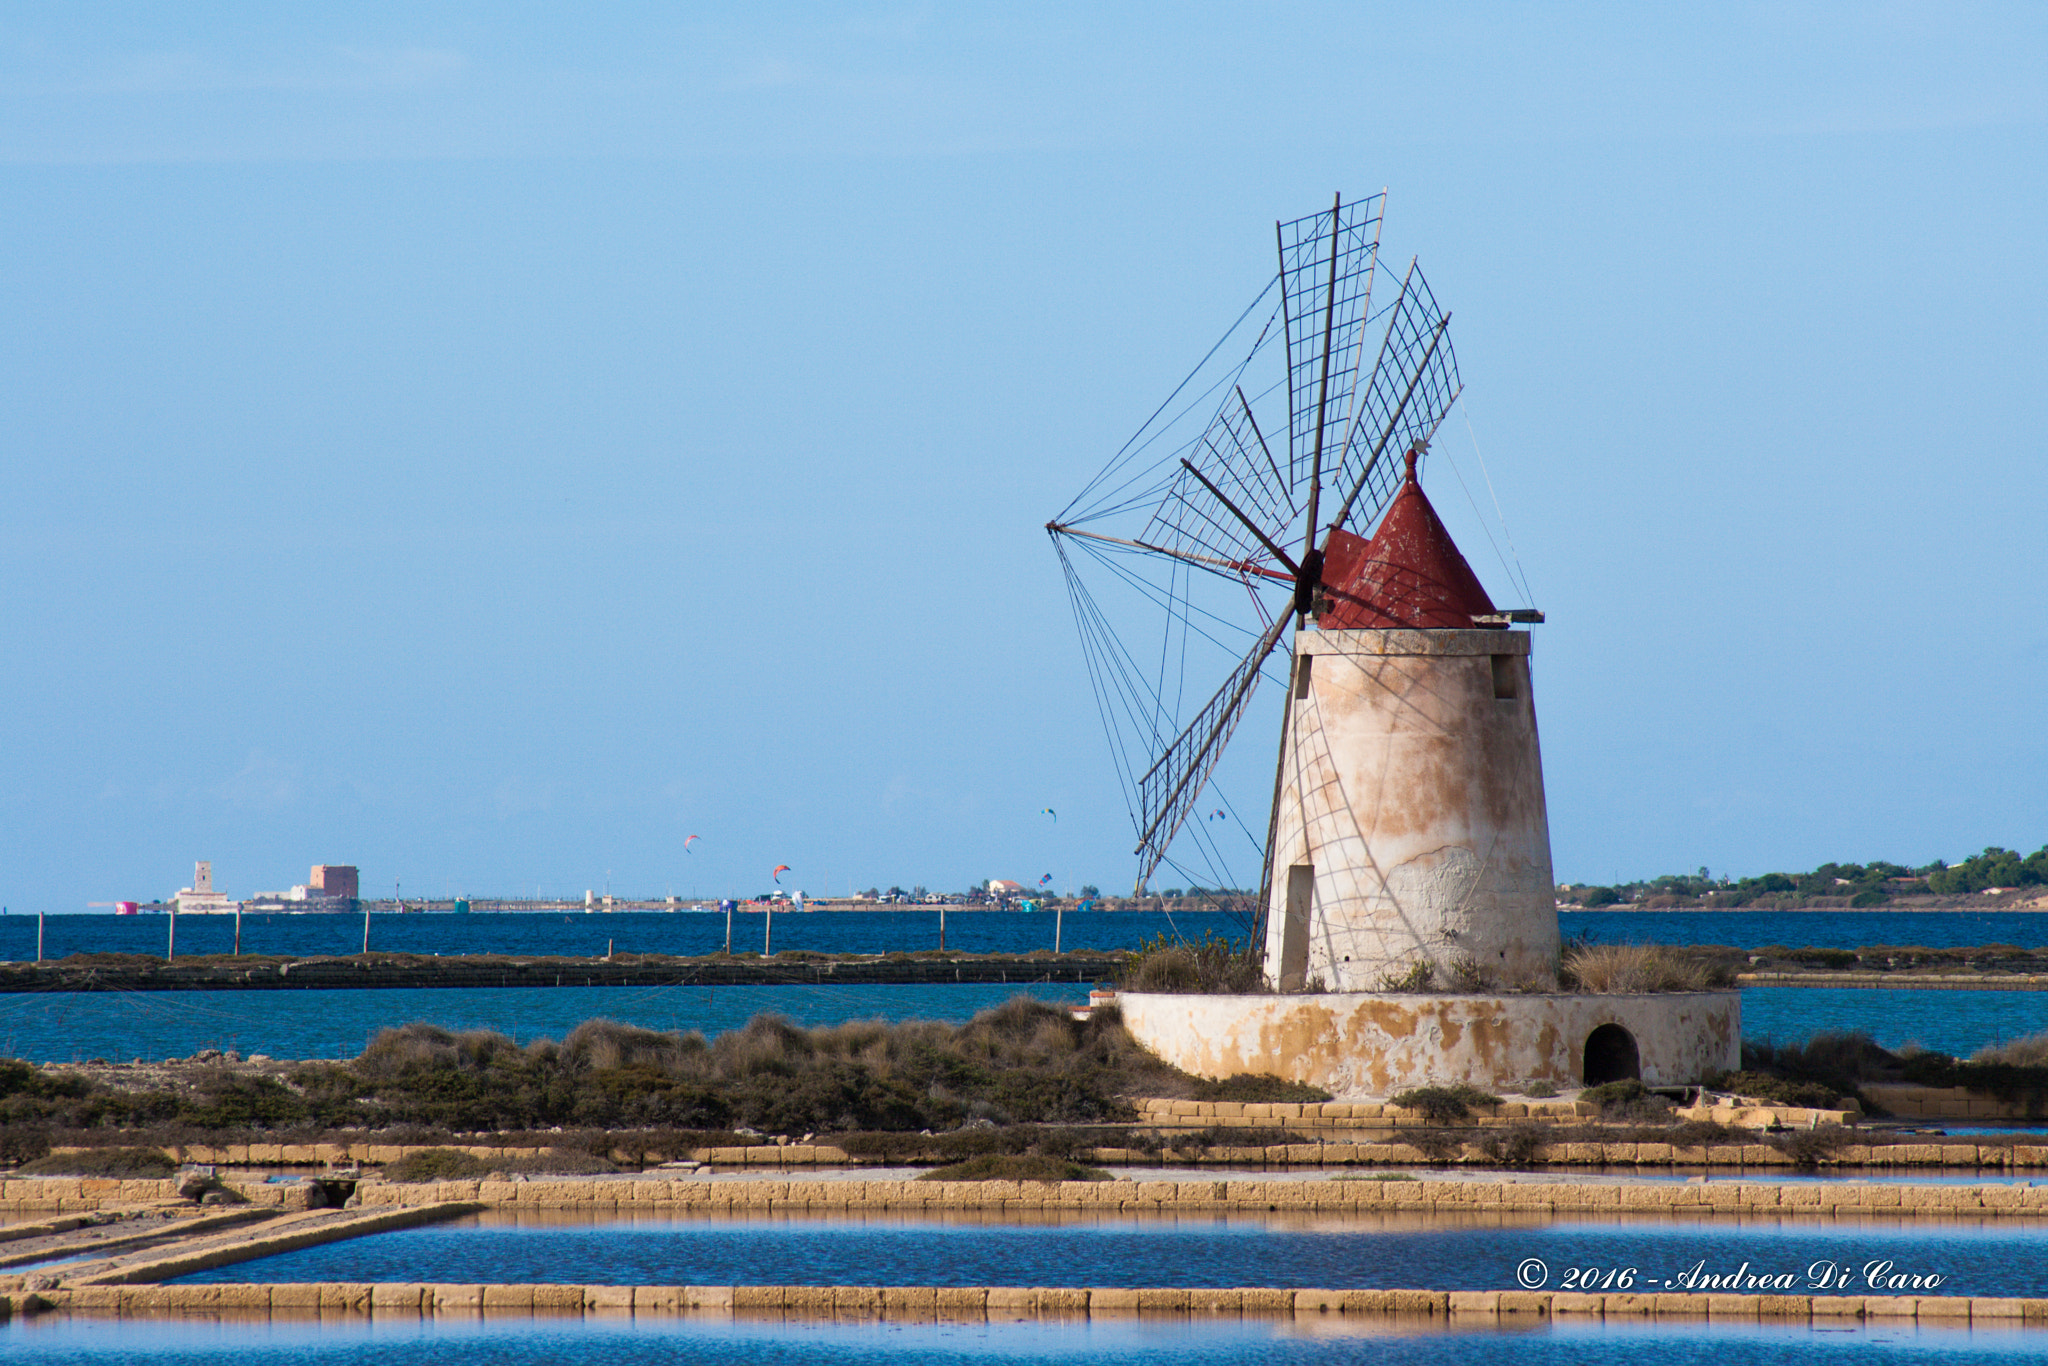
{"points": [[1361, 387]]}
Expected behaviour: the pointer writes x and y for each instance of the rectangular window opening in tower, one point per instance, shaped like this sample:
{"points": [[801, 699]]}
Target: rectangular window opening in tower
{"points": [[1506, 685], [1301, 676]]}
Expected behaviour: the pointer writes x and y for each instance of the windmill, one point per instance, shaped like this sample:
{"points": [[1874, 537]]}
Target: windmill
{"points": [[1240, 505]]}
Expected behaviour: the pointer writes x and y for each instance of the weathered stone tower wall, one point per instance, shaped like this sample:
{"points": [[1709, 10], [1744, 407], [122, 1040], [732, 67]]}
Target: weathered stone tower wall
{"points": [[1411, 827]]}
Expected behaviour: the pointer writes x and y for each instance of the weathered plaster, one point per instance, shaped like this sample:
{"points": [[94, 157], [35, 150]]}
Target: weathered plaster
{"points": [[1359, 1045], [1416, 795]]}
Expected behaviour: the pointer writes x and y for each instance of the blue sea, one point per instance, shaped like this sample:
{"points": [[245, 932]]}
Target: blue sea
{"points": [[898, 931], [119, 1026]]}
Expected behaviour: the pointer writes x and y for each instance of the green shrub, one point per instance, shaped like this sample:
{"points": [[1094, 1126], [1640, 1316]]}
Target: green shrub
{"points": [[1626, 1100], [1445, 1104], [1259, 1088], [1810, 1095]]}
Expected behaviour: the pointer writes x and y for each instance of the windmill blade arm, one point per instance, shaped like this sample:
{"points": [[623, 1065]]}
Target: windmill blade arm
{"points": [[1172, 786], [1249, 525], [1234, 569]]}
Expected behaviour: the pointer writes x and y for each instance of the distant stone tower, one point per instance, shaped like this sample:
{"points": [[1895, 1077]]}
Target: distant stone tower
{"points": [[1410, 841]]}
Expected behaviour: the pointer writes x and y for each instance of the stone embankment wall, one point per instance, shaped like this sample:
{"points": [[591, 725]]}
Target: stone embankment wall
{"points": [[22, 1196], [1369, 1309], [250, 973]]}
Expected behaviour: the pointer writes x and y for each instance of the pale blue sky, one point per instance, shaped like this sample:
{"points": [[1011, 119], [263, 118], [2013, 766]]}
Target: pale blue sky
{"points": [[487, 446]]}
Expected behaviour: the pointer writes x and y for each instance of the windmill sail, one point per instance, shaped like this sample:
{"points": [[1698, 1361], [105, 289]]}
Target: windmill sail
{"points": [[1170, 788], [1221, 501]]}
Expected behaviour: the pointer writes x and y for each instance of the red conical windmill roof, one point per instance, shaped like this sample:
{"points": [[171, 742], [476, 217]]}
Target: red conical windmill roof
{"points": [[1409, 575]]}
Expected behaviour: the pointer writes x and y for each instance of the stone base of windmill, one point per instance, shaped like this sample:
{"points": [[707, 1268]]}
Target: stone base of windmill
{"points": [[1371, 1045]]}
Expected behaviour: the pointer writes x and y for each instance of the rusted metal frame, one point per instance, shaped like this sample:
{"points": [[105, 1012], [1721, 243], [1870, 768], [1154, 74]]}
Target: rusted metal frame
{"points": [[1209, 562], [1315, 471], [1218, 731], [1395, 420], [1235, 458], [1249, 525], [1287, 347], [1394, 317], [1280, 480]]}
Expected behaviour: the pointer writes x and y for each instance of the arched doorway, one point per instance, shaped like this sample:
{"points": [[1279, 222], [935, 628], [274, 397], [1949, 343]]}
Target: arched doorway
{"points": [[1611, 1056]]}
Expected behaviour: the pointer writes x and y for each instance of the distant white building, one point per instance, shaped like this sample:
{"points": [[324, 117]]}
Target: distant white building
{"points": [[200, 898], [1002, 886]]}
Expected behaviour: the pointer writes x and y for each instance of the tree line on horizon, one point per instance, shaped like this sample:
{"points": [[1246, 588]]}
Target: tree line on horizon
{"points": [[1859, 884]]}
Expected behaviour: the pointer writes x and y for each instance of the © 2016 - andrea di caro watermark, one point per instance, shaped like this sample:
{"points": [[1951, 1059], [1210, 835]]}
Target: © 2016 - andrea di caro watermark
{"points": [[1880, 1275]]}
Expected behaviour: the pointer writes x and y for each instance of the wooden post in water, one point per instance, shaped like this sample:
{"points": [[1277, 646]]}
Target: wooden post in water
{"points": [[1059, 924], [728, 925], [238, 929], [39, 936], [366, 925], [942, 927], [768, 932], [171, 946]]}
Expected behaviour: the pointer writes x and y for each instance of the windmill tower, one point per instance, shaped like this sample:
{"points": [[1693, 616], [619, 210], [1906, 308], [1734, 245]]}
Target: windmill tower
{"points": [[1410, 841], [1405, 912]]}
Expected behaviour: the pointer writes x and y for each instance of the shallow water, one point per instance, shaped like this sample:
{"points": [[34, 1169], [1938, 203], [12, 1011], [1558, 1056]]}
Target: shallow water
{"points": [[1373, 1251], [55, 1341]]}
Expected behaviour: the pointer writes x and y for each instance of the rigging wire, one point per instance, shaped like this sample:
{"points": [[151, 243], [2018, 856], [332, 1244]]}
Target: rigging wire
{"points": [[1119, 456], [1465, 411]]}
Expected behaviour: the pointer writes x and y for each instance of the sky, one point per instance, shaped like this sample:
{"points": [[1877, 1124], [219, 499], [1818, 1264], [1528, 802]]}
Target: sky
{"points": [[488, 444]]}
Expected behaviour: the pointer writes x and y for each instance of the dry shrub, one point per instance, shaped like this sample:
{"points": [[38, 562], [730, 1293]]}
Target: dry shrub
{"points": [[1259, 1088], [1445, 1104], [1518, 1145], [1213, 965], [1015, 1167], [2031, 1051], [436, 1164], [419, 1046], [600, 1045], [119, 1164], [1630, 969]]}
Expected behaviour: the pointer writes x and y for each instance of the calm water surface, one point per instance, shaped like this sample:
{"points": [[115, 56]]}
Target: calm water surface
{"points": [[905, 930], [60, 1027], [1982, 1258], [118, 1026], [55, 1341]]}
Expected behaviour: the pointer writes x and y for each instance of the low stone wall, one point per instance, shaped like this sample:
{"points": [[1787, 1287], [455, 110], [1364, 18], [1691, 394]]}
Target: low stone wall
{"points": [[1944, 1102], [969, 1303], [1361, 1045], [1898, 981], [1337, 1196]]}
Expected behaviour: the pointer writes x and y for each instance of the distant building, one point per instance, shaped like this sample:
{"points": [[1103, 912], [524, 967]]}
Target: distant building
{"points": [[1001, 886], [200, 898], [334, 879], [332, 887]]}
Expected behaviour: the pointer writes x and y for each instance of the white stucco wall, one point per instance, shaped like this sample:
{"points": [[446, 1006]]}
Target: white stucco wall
{"points": [[1369, 1045], [1412, 796]]}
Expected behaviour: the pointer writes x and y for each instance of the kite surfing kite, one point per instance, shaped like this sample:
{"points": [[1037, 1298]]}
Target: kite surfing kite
{"points": [[690, 841], [1045, 881], [780, 869], [1048, 811]]}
